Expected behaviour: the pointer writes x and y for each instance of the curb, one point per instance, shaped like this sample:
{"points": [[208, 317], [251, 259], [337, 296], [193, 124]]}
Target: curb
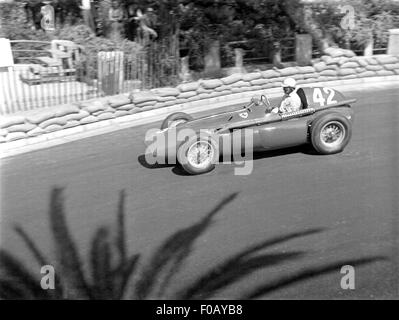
{"points": [[92, 129]]}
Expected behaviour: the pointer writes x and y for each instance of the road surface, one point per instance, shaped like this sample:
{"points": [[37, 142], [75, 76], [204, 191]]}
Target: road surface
{"points": [[351, 198]]}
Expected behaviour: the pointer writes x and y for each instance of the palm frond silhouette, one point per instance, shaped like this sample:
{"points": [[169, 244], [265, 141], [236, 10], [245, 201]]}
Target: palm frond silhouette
{"points": [[115, 274]]}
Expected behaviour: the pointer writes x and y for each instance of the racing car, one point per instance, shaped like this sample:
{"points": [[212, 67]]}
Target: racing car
{"points": [[324, 120]]}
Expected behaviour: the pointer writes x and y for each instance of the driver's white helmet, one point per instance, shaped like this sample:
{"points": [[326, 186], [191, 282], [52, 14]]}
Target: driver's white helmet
{"points": [[289, 82]]}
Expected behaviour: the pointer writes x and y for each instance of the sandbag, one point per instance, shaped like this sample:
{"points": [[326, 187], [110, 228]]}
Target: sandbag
{"points": [[71, 124], [89, 119], [328, 73], [366, 74], [35, 132], [186, 95], [346, 71], [15, 136], [241, 84], [268, 74], [106, 116], [259, 82], [94, 105], [360, 60], [391, 66], [66, 109], [25, 127], [166, 92], [371, 61], [121, 113], [118, 100], [374, 68], [222, 88], [126, 107], [145, 104], [320, 66], [286, 72], [349, 53], [143, 97], [76, 116], [166, 98], [350, 64], [383, 73], [57, 121], [306, 69], [39, 116], [252, 76], [334, 52], [189, 86], [53, 127], [203, 90], [211, 84], [232, 79], [386, 59]]}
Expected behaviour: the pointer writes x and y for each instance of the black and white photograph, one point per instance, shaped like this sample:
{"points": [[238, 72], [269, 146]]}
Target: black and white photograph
{"points": [[213, 151]]}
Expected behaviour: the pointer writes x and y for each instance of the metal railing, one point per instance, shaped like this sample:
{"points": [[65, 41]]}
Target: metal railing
{"points": [[38, 81]]}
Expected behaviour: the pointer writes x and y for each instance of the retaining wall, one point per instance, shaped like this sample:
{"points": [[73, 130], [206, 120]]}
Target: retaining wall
{"points": [[337, 64]]}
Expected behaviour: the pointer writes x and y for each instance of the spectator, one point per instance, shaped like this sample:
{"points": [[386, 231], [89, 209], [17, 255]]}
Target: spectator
{"points": [[87, 14], [116, 16]]}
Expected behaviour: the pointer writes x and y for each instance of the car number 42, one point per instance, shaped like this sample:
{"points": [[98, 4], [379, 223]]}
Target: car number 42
{"points": [[318, 96]]}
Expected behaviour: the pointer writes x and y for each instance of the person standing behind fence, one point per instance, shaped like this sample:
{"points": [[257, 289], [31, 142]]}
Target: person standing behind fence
{"points": [[144, 32], [87, 14], [116, 16]]}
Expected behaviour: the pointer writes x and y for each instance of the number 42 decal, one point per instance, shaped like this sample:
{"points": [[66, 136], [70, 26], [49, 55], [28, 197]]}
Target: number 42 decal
{"points": [[318, 96]]}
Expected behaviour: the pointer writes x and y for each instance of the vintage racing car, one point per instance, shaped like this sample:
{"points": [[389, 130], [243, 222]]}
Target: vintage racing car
{"points": [[324, 120]]}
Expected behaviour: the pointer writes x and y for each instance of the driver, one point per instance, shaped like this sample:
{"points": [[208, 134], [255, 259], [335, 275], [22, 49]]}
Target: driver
{"points": [[291, 100]]}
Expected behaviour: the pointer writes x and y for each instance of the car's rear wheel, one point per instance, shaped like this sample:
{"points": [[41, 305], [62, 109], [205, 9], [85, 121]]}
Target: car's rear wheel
{"points": [[331, 133], [175, 119], [199, 154]]}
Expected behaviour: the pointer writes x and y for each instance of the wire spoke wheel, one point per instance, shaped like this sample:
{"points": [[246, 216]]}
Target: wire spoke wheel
{"points": [[332, 134], [200, 154]]}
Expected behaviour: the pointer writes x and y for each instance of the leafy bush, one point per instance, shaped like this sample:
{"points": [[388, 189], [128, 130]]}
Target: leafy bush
{"points": [[92, 45], [114, 273], [373, 19]]}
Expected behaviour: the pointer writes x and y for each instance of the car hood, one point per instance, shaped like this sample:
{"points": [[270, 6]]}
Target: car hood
{"points": [[213, 121]]}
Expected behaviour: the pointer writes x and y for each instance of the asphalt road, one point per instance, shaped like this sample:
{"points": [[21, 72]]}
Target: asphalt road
{"points": [[350, 198]]}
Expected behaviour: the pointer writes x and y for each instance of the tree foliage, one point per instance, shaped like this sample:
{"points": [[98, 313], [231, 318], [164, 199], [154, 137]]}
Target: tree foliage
{"points": [[259, 23], [112, 272]]}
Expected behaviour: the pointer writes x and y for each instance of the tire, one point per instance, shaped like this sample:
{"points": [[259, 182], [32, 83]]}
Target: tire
{"points": [[331, 133], [174, 119], [186, 154]]}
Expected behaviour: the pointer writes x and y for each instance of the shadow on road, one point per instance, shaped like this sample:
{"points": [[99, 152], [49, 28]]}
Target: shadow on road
{"points": [[114, 273], [178, 170]]}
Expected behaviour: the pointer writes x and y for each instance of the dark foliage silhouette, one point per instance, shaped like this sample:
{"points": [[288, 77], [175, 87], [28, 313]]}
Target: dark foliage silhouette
{"points": [[113, 273]]}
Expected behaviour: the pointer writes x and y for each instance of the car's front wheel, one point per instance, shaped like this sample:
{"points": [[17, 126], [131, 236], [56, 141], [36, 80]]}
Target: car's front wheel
{"points": [[331, 133], [199, 154]]}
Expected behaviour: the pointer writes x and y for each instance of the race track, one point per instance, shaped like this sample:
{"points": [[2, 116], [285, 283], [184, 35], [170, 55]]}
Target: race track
{"points": [[350, 199]]}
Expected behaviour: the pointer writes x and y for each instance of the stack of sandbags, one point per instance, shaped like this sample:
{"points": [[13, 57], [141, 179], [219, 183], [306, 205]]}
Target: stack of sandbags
{"points": [[166, 96], [8, 126], [336, 64], [145, 100]]}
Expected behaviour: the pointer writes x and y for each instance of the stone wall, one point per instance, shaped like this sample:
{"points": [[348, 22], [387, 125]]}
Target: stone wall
{"points": [[335, 65]]}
